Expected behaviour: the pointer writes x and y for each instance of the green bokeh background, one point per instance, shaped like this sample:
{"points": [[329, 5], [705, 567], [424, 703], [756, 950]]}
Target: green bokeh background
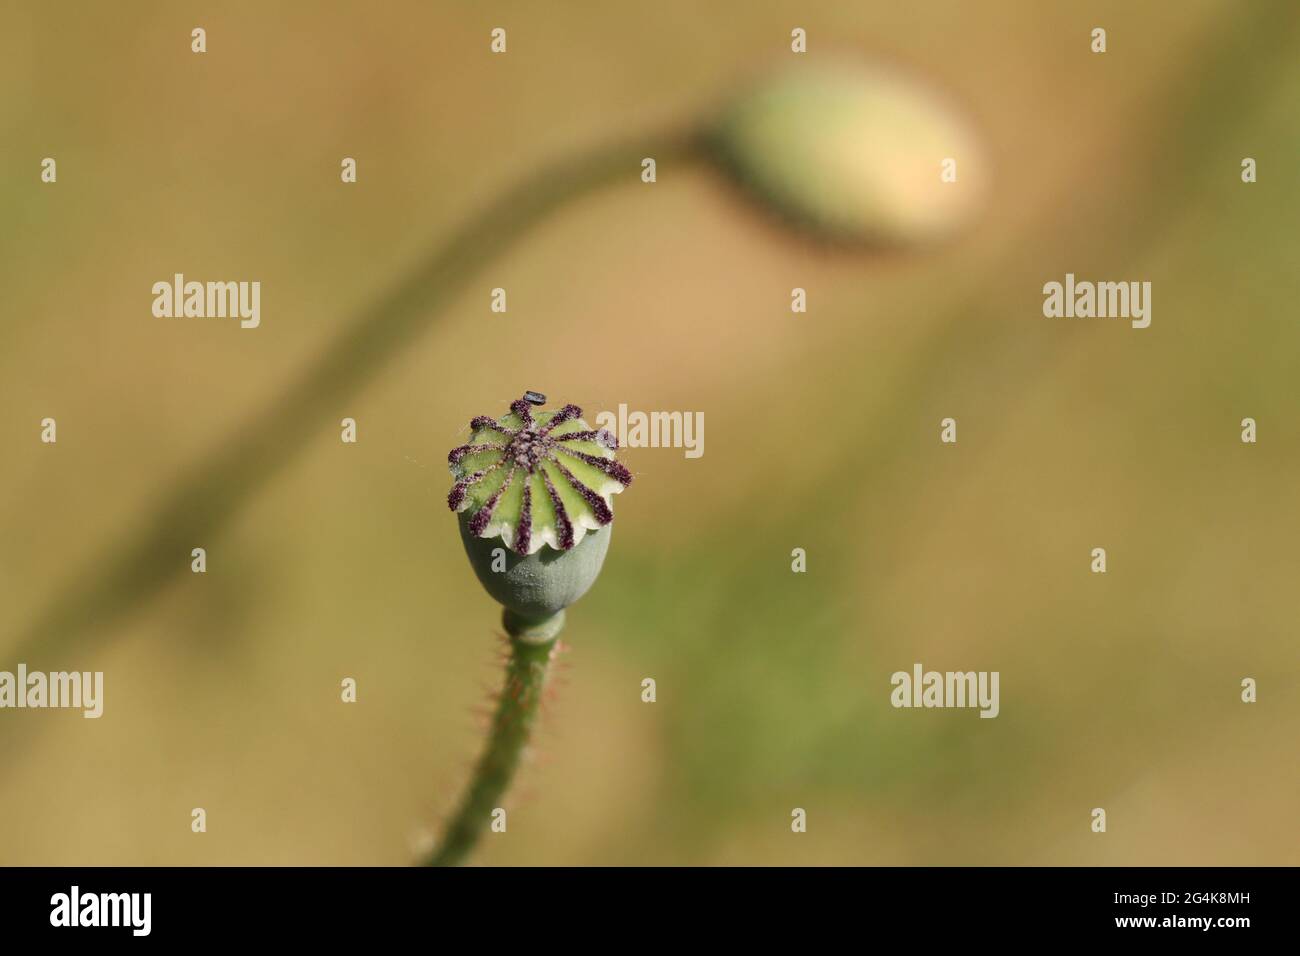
{"points": [[1119, 691]]}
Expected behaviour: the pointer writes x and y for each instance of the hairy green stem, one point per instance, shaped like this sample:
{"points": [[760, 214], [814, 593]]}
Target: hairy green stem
{"points": [[201, 502], [532, 645]]}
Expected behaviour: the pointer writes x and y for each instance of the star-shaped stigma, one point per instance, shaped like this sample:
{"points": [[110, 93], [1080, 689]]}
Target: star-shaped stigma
{"points": [[536, 478]]}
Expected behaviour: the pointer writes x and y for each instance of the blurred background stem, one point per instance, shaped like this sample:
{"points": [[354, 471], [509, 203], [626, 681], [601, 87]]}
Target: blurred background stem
{"points": [[199, 505]]}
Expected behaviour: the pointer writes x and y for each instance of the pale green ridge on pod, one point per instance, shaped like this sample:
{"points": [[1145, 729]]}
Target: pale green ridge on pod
{"points": [[853, 153], [542, 583]]}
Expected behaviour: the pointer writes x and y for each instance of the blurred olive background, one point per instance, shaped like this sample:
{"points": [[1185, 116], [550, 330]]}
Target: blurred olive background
{"points": [[822, 432]]}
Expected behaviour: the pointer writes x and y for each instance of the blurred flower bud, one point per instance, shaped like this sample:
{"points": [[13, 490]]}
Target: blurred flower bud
{"points": [[852, 153], [534, 493]]}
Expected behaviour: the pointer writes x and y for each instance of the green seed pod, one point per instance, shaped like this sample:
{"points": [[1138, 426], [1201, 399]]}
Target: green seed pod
{"points": [[542, 583], [852, 153], [534, 494]]}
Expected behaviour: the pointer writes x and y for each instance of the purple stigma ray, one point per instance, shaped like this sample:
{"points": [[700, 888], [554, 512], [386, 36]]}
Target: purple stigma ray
{"points": [[601, 436], [562, 523], [594, 501], [479, 522], [566, 414], [609, 466], [479, 422], [524, 533], [456, 454], [524, 410], [456, 497]]}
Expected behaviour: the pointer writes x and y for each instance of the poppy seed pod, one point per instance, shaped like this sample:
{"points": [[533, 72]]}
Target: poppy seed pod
{"points": [[852, 153], [533, 491]]}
